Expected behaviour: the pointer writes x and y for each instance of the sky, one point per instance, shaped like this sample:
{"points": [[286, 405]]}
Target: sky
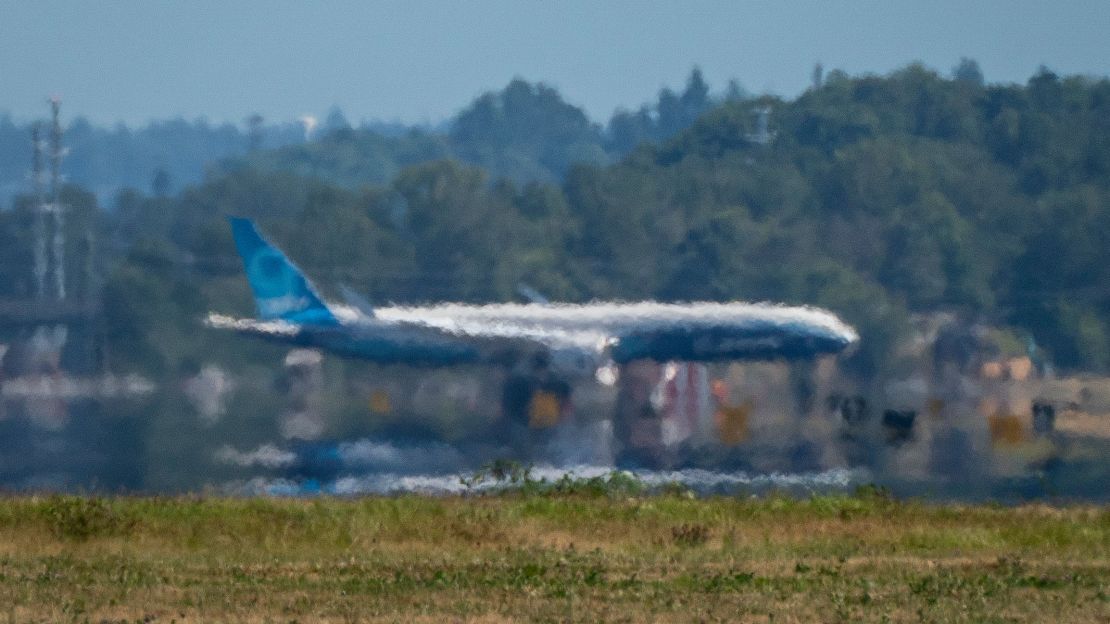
{"points": [[421, 62]]}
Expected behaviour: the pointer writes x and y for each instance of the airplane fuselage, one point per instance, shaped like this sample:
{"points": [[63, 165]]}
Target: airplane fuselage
{"points": [[578, 338]]}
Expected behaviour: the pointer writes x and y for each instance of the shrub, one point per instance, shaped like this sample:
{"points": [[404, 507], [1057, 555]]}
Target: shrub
{"points": [[80, 518], [690, 534]]}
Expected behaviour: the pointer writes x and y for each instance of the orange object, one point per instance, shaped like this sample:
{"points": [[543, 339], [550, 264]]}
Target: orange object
{"points": [[732, 423], [543, 410], [1006, 430], [991, 370], [719, 390], [1019, 368], [380, 403]]}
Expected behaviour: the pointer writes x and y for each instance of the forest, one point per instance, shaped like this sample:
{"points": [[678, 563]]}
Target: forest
{"points": [[878, 197]]}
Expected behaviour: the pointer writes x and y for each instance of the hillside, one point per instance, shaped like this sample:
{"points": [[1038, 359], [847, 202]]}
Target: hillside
{"points": [[877, 197]]}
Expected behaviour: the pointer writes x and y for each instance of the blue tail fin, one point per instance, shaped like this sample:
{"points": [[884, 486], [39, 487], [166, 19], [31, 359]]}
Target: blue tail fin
{"points": [[280, 289]]}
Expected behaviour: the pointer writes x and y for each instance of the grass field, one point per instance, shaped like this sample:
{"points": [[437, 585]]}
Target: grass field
{"points": [[601, 554]]}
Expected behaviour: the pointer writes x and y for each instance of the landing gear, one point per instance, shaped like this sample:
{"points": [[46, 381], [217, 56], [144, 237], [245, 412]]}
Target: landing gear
{"points": [[533, 402], [636, 423]]}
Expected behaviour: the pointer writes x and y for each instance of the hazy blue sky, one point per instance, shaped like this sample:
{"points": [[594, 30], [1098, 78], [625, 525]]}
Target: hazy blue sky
{"points": [[422, 61]]}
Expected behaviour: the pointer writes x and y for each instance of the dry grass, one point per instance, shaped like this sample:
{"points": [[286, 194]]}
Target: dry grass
{"points": [[550, 558]]}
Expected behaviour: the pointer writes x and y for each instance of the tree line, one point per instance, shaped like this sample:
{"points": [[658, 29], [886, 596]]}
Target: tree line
{"points": [[875, 196]]}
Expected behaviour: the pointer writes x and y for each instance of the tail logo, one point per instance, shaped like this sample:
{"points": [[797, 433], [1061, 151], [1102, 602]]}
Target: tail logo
{"points": [[280, 289]]}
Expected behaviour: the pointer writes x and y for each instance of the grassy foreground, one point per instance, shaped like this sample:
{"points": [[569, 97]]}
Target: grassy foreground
{"points": [[550, 557]]}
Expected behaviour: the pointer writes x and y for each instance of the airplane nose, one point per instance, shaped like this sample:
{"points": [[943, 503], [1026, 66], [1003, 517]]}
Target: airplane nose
{"points": [[845, 344]]}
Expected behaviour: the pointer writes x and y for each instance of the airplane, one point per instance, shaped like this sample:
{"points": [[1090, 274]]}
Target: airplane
{"points": [[566, 342]]}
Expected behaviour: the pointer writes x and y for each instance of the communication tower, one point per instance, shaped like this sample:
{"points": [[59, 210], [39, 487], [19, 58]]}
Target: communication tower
{"points": [[40, 259], [57, 209]]}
